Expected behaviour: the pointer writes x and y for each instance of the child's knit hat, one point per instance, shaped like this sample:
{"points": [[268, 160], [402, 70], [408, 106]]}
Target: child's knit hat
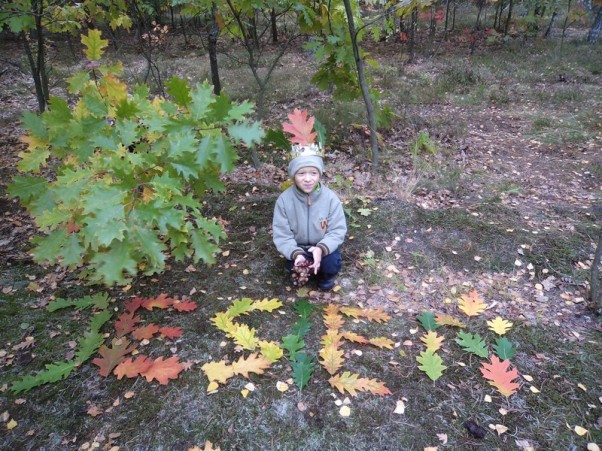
{"points": [[305, 152]]}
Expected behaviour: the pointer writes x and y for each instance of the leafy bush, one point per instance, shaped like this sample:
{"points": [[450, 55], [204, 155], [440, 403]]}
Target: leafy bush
{"points": [[115, 180]]}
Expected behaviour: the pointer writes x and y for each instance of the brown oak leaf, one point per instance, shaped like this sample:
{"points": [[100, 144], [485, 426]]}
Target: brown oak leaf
{"points": [[111, 357], [126, 323], [145, 332]]}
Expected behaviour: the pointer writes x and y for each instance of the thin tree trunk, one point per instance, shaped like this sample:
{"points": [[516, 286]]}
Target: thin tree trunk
{"points": [[596, 29], [564, 25], [37, 82], [274, 26], [509, 17], [213, 36], [359, 63], [551, 24], [446, 14]]}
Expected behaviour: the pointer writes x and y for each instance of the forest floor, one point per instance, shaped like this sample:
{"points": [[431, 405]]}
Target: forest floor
{"points": [[503, 206]]}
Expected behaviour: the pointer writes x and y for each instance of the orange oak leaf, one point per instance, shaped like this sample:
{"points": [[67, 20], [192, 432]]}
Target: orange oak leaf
{"points": [[134, 304], [331, 338], [332, 318], [111, 357], [132, 368], [252, 364], [161, 301], [163, 370], [126, 323], [332, 358], [218, 371], [352, 383], [355, 338], [498, 375], [145, 332], [370, 314], [300, 127], [448, 320], [184, 306], [382, 342], [171, 332], [471, 305]]}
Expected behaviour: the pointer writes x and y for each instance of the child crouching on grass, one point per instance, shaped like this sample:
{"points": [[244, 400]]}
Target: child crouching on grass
{"points": [[309, 223]]}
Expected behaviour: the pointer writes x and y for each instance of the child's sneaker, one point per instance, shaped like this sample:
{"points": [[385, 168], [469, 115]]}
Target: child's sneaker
{"points": [[326, 282]]}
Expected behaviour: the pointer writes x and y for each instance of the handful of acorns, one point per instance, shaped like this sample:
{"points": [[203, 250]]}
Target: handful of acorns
{"points": [[301, 273]]}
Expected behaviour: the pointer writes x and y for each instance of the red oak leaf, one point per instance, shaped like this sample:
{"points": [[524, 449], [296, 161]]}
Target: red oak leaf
{"points": [[171, 332], [163, 370], [184, 306], [126, 323], [111, 357], [132, 368], [300, 127], [134, 304], [161, 301], [145, 332]]}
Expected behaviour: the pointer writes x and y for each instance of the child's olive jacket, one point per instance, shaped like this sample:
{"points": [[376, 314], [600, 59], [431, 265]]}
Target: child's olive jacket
{"points": [[315, 219]]}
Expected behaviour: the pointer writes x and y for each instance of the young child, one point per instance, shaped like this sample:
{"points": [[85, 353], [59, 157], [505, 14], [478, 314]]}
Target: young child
{"points": [[309, 223]]}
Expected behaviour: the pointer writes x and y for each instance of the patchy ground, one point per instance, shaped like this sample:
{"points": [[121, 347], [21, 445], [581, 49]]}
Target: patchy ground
{"points": [[503, 207]]}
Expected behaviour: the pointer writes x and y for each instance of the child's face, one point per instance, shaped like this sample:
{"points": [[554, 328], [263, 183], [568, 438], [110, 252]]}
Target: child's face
{"points": [[307, 179]]}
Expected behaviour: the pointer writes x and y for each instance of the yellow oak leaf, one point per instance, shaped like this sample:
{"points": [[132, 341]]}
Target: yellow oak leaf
{"points": [[245, 337], [332, 358], [499, 326], [448, 320], [267, 305], [432, 341], [218, 371], [270, 350], [252, 364], [223, 321], [375, 315], [382, 342], [471, 305]]}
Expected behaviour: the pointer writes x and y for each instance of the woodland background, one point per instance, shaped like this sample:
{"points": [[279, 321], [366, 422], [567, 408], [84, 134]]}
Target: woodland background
{"points": [[464, 140]]}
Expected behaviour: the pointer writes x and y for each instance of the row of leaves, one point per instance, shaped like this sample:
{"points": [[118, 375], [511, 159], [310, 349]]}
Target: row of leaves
{"points": [[113, 356]]}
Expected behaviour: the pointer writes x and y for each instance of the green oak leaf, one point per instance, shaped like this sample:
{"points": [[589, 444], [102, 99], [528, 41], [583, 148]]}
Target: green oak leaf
{"points": [[472, 343], [293, 344], [246, 132], [26, 187], [427, 319], [431, 364], [303, 368], [111, 264], [179, 90], [504, 348]]}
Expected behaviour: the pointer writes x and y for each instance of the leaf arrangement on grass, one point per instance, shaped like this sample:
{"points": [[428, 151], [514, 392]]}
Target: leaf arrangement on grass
{"points": [[114, 357], [246, 338], [497, 372], [87, 345], [332, 356], [302, 364]]}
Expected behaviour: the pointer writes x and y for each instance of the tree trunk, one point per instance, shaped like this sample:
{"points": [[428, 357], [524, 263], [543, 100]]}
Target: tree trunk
{"points": [[274, 26], [359, 63], [564, 25], [551, 24], [509, 18], [213, 36], [596, 29]]}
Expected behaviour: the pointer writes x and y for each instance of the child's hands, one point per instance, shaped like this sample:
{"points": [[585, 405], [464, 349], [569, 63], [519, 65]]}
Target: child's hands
{"points": [[317, 254]]}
